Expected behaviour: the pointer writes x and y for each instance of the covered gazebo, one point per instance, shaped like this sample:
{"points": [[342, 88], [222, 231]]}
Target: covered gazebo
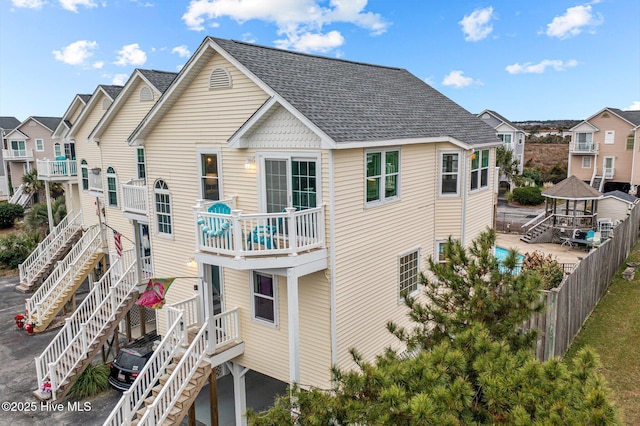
{"points": [[573, 205]]}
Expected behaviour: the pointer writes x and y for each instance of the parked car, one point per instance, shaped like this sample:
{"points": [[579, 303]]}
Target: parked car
{"points": [[128, 364]]}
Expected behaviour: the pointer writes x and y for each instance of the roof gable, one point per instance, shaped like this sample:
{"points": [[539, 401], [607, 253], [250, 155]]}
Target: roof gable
{"points": [[9, 123], [622, 196], [79, 102], [109, 91], [500, 118], [17, 133], [572, 188]]}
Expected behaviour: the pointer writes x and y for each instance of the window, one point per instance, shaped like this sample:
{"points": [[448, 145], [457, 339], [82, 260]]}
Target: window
{"points": [[480, 169], [39, 145], [163, 207], [57, 150], [146, 94], [19, 148], [584, 138], [609, 136], [303, 176], [449, 174], [440, 257], [586, 162], [142, 170], [219, 79], [409, 269], [630, 141], [84, 170], [112, 187], [505, 138], [264, 298], [383, 173], [209, 179]]}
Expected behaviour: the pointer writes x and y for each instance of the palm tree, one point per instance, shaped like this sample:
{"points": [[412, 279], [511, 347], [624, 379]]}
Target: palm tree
{"points": [[37, 220]]}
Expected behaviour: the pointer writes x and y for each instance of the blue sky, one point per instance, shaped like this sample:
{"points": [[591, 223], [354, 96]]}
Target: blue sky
{"points": [[528, 60]]}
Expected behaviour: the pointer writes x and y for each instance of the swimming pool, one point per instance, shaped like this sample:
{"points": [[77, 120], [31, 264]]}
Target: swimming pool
{"points": [[501, 254]]}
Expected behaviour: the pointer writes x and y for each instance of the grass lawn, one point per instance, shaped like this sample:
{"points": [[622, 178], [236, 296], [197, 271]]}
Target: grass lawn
{"points": [[613, 331]]}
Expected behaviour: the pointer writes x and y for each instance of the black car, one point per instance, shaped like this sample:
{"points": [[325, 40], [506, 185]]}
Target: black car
{"points": [[128, 364]]}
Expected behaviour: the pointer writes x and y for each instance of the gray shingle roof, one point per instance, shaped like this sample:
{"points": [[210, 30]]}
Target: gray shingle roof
{"points": [[160, 79], [572, 188], [500, 117], [111, 90], [630, 116], [9, 123], [622, 196], [50, 122], [85, 98], [352, 101]]}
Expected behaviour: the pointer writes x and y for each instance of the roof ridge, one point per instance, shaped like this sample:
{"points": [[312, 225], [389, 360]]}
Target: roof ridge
{"points": [[292, 52]]}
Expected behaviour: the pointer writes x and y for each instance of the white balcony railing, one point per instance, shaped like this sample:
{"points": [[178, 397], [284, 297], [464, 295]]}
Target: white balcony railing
{"points": [[609, 172], [17, 154], [135, 197], [259, 234], [95, 181], [56, 168], [583, 147]]}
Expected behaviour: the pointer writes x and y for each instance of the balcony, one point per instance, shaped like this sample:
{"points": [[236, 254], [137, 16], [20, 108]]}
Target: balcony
{"points": [[17, 154], [588, 148], [609, 172], [135, 198], [269, 240], [56, 170]]}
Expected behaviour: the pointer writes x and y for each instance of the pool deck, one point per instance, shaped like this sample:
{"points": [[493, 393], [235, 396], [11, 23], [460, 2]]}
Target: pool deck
{"points": [[563, 254]]}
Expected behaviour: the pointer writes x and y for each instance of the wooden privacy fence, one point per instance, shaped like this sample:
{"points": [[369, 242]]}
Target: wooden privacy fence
{"points": [[570, 304]]}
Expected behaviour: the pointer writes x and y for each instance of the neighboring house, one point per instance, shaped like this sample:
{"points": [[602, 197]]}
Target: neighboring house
{"points": [[605, 150], [6, 125], [615, 206], [512, 136], [29, 141]]}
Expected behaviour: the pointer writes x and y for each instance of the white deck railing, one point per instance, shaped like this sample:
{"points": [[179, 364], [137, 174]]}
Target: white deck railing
{"points": [[225, 328], [583, 147], [17, 194], [56, 168], [85, 326], [260, 234], [17, 154], [63, 275], [135, 197], [48, 247]]}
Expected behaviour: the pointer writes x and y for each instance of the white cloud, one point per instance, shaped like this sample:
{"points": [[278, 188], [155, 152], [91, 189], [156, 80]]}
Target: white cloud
{"points": [[98, 65], [143, 3], [635, 106], [72, 5], [477, 26], [76, 53], [29, 4], [181, 50], [312, 42], [573, 21], [457, 79], [299, 21], [540, 67], [119, 79], [131, 54]]}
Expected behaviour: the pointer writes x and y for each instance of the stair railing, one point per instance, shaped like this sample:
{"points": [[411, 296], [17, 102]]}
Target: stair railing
{"points": [[133, 398], [87, 322], [158, 411], [17, 195], [48, 247], [63, 275], [540, 223]]}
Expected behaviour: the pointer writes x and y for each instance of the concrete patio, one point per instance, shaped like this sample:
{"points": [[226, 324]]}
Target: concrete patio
{"points": [[563, 254]]}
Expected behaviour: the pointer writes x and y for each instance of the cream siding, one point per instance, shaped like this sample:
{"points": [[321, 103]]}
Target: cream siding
{"points": [[613, 208], [448, 210], [281, 129], [480, 204]]}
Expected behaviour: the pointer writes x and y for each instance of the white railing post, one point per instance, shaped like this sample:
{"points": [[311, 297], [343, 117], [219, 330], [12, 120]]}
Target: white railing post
{"points": [[197, 209], [69, 331], [39, 372], [52, 380], [83, 337], [237, 232], [38, 313], [292, 230], [184, 335]]}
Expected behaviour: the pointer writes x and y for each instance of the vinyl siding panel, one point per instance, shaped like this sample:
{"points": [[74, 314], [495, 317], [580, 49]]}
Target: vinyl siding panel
{"points": [[480, 205], [448, 211], [613, 209], [369, 241]]}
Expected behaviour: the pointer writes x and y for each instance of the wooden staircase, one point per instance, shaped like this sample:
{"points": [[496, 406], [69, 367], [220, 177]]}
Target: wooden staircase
{"points": [[539, 234], [186, 399], [597, 182]]}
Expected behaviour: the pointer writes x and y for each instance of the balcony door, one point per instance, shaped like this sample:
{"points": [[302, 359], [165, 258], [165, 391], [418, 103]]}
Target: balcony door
{"points": [[608, 166], [290, 182], [19, 148]]}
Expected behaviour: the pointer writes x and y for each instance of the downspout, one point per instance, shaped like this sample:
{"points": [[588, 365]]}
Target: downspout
{"points": [[332, 260]]}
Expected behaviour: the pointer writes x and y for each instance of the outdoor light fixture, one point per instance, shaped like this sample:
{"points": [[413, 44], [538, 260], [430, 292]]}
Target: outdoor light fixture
{"points": [[250, 163], [191, 262]]}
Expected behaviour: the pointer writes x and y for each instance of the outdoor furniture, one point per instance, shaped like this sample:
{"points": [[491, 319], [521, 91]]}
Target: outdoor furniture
{"points": [[215, 226], [581, 239]]}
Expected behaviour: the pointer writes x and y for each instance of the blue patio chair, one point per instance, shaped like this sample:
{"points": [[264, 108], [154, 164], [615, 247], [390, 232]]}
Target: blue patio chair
{"points": [[216, 226], [262, 235]]}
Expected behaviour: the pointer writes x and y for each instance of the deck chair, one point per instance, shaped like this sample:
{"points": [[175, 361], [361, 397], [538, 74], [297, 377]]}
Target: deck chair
{"points": [[262, 235], [216, 226]]}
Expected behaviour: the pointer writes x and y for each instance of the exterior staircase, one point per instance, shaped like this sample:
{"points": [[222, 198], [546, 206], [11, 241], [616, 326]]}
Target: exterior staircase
{"points": [[63, 282], [181, 365], [87, 329], [20, 197], [540, 233], [55, 246], [597, 182]]}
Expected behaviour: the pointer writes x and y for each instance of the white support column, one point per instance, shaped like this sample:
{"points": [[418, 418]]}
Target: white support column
{"points": [[294, 326], [137, 251], [239, 392], [68, 196], [49, 213]]}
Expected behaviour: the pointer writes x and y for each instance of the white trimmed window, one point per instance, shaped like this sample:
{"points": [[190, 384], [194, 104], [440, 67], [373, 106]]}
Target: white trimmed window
{"points": [[162, 198], [449, 173], [112, 187], [264, 298], [609, 137], [209, 176], [84, 171], [140, 163], [57, 150], [480, 169], [382, 180], [39, 145], [586, 162], [584, 138], [505, 138], [439, 256], [408, 272]]}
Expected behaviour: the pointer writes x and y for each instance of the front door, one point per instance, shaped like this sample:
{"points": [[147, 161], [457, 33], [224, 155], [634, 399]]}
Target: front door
{"points": [[144, 248], [290, 182], [212, 278]]}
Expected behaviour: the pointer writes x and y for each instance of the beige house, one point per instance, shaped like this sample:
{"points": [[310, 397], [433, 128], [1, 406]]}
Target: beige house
{"points": [[605, 150], [295, 199]]}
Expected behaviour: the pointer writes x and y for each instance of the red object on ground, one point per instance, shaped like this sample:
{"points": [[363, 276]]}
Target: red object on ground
{"points": [[29, 328], [19, 320]]}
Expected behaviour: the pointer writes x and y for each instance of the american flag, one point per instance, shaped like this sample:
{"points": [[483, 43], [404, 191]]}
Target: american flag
{"points": [[117, 239]]}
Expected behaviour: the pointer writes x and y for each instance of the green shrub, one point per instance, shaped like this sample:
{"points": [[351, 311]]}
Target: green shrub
{"points": [[528, 195], [533, 174], [15, 248], [93, 381], [8, 214]]}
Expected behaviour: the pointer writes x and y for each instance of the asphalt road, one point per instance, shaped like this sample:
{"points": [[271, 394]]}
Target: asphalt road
{"points": [[18, 374]]}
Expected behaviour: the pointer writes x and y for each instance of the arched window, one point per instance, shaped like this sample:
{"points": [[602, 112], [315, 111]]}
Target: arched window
{"points": [[219, 79], [146, 94], [84, 170], [112, 187], [162, 198]]}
